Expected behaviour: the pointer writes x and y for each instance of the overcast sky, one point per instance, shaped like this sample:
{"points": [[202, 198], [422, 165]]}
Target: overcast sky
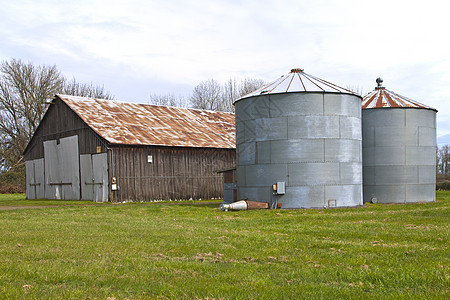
{"points": [[139, 48]]}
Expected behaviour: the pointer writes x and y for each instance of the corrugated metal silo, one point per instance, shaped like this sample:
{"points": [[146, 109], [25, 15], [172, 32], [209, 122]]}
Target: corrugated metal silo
{"points": [[303, 133], [399, 148]]}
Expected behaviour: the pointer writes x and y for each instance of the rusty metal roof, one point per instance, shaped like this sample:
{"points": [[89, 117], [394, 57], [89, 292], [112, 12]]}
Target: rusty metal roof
{"points": [[380, 97], [144, 124], [299, 81]]}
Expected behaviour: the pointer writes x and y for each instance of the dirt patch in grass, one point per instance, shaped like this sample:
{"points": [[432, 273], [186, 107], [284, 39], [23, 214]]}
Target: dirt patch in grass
{"points": [[23, 207]]}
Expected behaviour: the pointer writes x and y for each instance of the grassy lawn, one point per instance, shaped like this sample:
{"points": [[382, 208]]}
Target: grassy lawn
{"points": [[19, 200], [195, 251]]}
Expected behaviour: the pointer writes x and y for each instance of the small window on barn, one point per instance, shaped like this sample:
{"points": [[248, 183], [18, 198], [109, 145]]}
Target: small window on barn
{"points": [[150, 159]]}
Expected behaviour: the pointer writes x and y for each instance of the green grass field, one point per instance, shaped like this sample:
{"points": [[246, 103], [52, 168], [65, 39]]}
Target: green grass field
{"points": [[194, 251]]}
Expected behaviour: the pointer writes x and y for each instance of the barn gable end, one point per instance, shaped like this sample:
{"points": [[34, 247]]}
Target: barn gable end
{"points": [[60, 157], [61, 121]]}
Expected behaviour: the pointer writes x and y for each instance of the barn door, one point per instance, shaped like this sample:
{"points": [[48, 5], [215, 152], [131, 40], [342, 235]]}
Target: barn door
{"points": [[35, 178], [62, 169], [94, 177]]}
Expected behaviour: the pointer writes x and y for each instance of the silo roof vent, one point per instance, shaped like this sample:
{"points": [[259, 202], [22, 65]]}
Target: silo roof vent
{"points": [[297, 70], [380, 97], [379, 82], [299, 81]]}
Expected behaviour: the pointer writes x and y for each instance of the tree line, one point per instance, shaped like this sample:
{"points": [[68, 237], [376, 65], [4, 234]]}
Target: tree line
{"points": [[211, 95], [443, 160], [26, 90]]}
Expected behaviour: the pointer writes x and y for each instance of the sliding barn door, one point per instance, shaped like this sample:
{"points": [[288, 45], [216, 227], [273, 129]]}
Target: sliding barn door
{"points": [[35, 178], [94, 177], [62, 169]]}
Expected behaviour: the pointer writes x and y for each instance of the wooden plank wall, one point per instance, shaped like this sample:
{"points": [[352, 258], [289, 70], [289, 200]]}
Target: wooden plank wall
{"points": [[174, 173], [59, 122]]}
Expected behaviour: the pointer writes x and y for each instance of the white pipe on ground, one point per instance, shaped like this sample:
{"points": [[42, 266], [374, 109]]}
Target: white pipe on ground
{"points": [[243, 205]]}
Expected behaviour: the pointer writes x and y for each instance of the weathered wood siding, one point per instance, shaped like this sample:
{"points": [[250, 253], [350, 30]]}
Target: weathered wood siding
{"points": [[60, 122], [174, 173]]}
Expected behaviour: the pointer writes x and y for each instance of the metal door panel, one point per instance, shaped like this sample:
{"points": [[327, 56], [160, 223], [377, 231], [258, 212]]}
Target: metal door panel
{"points": [[87, 188], [70, 163], [94, 177], [51, 166], [39, 178], [100, 168], [62, 169], [30, 180]]}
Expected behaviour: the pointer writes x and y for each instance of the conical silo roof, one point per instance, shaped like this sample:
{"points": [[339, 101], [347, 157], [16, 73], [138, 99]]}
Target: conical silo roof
{"points": [[299, 81], [380, 97]]}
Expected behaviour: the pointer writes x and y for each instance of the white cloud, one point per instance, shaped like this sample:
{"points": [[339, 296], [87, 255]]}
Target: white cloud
{"points": [[139, 47]]}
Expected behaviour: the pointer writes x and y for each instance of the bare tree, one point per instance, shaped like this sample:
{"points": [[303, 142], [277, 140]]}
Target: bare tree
{"points": [[356, 89], [24, 90], [230, 94], [168, 100], [211, 95], [443, 160], [207, 95], [446, 159], [438, 161], [233, 90], [75, 88], [249, 85]]}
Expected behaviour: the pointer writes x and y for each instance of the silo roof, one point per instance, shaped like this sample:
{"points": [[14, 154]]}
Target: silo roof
{"points": [[380, 97], [299, 81]]}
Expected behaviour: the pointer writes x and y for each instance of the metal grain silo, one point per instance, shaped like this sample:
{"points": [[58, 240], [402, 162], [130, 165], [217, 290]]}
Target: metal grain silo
{"points": [[399, 148], [303, 134]]}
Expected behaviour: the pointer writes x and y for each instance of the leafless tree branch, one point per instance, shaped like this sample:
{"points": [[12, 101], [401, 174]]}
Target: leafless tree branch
{"points": [[24, 90]]}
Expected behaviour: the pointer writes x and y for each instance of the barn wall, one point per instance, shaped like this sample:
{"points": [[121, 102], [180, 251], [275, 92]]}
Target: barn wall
{"points": [[60, 122], [173, 173], [55, 173]]}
